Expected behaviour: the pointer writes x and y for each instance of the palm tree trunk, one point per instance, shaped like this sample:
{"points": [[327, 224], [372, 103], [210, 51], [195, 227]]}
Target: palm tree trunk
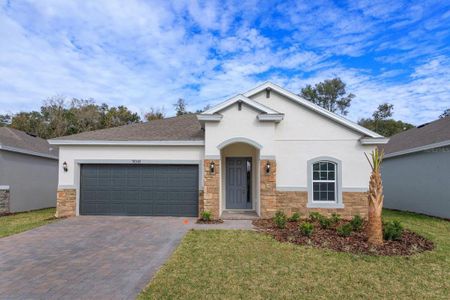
{"points": [[375, 225]]}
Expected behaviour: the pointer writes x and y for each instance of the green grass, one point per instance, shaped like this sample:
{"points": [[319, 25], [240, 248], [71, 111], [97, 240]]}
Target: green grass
{"points": [[248, 265], [19, 222]]}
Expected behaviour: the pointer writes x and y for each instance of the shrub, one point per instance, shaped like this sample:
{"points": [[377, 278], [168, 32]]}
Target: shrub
{"points": [[206, 215], [295, 217], [325, 222], [335, 218], [306, 228], [345, 229], [315, 216], [393, 230], [357, 222], [280, 219]]}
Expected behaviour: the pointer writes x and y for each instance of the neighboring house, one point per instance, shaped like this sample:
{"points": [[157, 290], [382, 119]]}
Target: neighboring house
{"points": [[28, 172], [416, 170], [262, 151]]}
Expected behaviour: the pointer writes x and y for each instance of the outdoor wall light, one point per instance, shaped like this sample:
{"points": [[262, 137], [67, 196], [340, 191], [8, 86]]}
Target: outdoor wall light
{"points": [[267, 167], [212, 167], [65, 167]]}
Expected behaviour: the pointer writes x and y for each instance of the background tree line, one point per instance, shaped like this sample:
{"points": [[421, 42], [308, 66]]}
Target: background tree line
{"points": [[59, 117]]}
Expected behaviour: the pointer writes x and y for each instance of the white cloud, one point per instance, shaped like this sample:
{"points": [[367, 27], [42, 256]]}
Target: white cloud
{"points": [[144, 54]]}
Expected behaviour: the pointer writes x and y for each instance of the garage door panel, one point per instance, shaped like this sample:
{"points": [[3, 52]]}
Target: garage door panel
{"points": [[163, 190]]}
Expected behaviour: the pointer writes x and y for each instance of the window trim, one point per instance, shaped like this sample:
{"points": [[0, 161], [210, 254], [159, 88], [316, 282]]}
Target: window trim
{"points": [[338, 186]]}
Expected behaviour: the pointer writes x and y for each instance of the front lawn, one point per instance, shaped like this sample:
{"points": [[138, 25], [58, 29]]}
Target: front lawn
{"points": [[250, 265], [19, 222]]}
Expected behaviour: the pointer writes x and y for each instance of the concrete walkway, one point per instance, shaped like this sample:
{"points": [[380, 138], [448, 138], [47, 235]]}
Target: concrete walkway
{"points": [[92, 257]]}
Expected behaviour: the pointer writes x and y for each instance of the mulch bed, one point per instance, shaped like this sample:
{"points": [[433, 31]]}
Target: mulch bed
{"points": [[217, 221], [410, 242]]}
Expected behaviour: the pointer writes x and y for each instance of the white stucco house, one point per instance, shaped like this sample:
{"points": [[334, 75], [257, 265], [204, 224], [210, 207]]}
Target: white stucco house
{"points": [[262, 151]]}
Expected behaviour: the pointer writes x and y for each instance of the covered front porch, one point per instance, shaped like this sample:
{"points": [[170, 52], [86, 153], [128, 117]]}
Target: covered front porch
{"points": [[239, 183], [239, 179]]}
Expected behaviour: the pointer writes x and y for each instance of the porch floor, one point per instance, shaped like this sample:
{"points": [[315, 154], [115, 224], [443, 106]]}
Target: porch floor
{"points": [[238, 215]]}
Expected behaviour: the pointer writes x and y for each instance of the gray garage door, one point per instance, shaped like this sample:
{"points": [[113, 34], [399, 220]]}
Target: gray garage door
{"points": [[139, 190]]}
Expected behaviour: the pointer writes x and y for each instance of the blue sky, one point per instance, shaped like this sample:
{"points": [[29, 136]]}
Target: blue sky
{"points": [[150, 53]]}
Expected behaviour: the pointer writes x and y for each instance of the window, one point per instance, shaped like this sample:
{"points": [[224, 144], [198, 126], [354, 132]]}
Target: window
{"points": [[324, 183], [324, 176]]}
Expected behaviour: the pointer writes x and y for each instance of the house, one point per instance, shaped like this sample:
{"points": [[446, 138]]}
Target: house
{"points": [[416, 170], [262, 151], [28, 172]]}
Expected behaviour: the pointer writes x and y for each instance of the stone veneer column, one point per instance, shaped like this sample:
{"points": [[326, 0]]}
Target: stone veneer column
{"points": [[4, 199], [268, 183], [211, 188], [66, 203]]}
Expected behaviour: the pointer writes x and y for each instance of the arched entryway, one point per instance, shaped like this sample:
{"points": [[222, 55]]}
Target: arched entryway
{"points": [[240, 176]]}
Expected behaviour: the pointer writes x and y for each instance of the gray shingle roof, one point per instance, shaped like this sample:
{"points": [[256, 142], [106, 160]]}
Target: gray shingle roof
{"points": [[431, 133], [182, 128], [13, 140]]}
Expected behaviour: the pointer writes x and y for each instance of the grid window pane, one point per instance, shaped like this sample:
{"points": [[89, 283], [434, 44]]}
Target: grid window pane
{"points": [[324, 181]]}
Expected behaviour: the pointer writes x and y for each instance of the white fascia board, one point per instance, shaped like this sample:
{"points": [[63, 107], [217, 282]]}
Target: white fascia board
{"points": [[28, 152], [418, 149], [374, 141], [271, 117], [238, 98], [313, 107], [125, 143], [209, 117]]}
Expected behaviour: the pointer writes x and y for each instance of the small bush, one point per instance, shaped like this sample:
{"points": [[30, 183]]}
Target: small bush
{"points": [[206, 215], [345, 229], [295, 217], [357, 222], [392, 231], [280, 219], [315, 216], [335, 218], [325, 222], [306, 228]]}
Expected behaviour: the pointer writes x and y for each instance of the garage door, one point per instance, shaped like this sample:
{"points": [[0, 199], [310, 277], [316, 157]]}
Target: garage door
{"points": [[139, 190]]}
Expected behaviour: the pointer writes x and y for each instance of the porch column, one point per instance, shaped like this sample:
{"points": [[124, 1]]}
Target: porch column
{"points": [[268, 182], [211, 187]]}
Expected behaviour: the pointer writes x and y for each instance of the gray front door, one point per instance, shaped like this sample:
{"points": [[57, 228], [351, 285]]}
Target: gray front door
{"points": [[238, 183], [139, 190]]}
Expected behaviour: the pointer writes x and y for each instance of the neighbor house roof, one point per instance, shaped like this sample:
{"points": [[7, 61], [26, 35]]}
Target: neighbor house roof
{"points": [[424, 137], [18, 141], [184, 129]]}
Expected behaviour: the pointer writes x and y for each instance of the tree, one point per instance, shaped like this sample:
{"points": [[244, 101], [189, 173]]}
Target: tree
{"points": [[446, 113], [5, 120], [180, 107], [376, 197], [381, 124], [59, 117], [118, 116], [330, 94], [383, 111], [155, 114]]}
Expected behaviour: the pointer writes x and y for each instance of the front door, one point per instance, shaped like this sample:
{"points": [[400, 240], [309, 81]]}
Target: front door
{"points": [[238, 183]]}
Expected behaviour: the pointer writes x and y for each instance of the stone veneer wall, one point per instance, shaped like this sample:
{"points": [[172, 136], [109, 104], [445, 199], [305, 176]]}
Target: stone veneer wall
{"points": [[268, 194], [354, 203], [66, 203], [4, 201], [209, 199]]}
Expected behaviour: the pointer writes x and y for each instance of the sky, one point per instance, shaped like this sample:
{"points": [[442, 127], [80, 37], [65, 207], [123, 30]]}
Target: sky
{"points": [[145, 54]]}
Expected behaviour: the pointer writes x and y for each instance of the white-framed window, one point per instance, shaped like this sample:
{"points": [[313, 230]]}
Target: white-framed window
{"points": [[324, 186], [324, 183]]}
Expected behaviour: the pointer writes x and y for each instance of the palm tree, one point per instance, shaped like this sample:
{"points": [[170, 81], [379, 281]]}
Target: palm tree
{"points": [[375, 225]]}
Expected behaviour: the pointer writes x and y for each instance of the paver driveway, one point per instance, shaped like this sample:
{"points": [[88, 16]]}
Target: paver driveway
{"points": [[87, 257]]}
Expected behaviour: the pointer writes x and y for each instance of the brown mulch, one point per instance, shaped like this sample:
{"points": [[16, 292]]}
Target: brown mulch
{"points": [[217, 221], [410, 242]]}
